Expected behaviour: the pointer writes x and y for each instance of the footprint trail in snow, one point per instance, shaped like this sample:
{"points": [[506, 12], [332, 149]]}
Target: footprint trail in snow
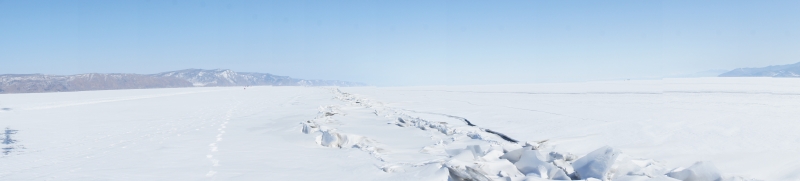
{"points": [[213, 147]]}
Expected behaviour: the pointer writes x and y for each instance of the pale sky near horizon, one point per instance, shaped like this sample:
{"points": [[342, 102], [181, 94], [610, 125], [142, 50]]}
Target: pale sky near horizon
{"points": [[400, 42]]}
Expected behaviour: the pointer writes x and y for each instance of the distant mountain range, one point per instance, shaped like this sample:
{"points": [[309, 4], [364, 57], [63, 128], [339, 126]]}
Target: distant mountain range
{"points": [[791, 70], [29, 83]]}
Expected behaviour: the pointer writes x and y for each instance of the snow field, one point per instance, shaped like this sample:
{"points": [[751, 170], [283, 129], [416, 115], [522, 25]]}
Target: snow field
{"points": [[734, 124], [681, 129], [468, 152], [172, 134]]}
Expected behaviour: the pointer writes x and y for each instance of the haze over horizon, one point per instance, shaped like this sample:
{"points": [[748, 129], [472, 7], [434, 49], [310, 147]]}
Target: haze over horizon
{"points": [[400, 42]]}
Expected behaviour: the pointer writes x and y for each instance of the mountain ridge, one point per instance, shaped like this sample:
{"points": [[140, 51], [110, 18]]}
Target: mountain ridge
{"points": [[33, 83], [789, 70]]}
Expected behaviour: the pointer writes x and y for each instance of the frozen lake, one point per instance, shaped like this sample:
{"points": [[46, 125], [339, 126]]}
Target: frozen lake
{"points": [[745, 127]]}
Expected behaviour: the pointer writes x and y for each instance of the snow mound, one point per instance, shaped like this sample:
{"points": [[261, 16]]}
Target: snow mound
{"points": [[700, 171], [532, 163], [596, 164]]}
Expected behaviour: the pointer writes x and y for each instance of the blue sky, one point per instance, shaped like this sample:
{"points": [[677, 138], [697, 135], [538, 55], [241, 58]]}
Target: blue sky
{"points": [[400, 42]]}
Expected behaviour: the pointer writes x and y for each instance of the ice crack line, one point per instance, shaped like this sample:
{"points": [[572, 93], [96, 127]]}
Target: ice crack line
{"points": [[501, 135], [421, 123], [471, 152], [330, 137]]}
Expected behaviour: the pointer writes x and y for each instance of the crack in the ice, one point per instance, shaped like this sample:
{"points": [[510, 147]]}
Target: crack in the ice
{"points": [[501, 135], [468, 123], [509, 139], [512, 160]]}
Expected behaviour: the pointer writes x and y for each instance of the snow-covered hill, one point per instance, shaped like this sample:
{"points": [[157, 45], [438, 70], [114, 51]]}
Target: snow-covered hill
{"points": [[791, 70], [28, 83], [224, 77]]}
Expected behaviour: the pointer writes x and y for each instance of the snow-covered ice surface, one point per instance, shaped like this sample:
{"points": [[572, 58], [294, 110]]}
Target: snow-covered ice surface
{"points": [[686, 129], [745, 127], [173, 134]]}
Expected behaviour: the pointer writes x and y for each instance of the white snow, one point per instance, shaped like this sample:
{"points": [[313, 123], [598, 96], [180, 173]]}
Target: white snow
{"points": [[597, 164], [684, 129]]}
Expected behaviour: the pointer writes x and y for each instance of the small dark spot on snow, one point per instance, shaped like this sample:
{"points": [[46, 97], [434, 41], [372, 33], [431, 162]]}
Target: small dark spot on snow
{"points": [[6, 109]]}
